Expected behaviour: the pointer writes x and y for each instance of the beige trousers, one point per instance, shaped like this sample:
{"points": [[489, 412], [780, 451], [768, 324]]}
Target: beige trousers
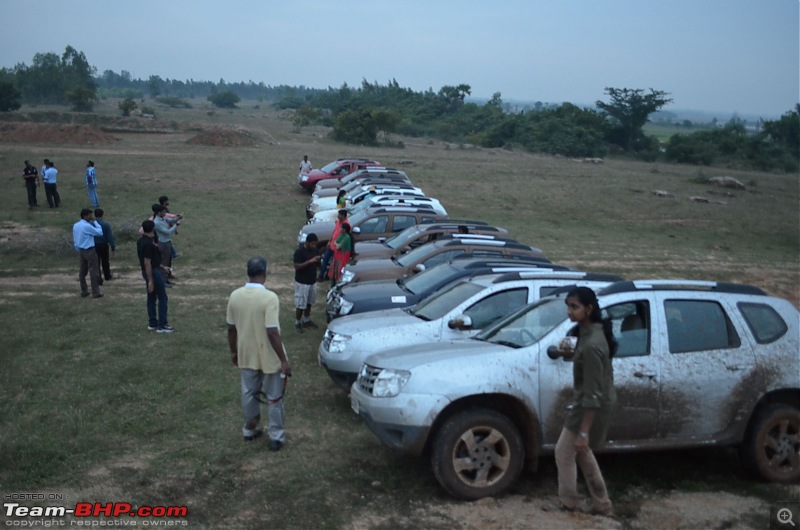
{"points": [[566, 458]]}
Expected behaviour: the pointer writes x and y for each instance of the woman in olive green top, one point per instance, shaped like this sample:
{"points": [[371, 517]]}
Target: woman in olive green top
{"points": [[594, 398]]}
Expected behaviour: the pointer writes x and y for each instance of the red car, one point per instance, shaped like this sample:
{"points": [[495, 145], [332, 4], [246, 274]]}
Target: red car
{"points": [[336, 169]]}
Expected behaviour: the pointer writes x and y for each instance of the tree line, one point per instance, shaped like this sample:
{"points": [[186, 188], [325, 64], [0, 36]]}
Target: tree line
{"points": [[371, 113]]}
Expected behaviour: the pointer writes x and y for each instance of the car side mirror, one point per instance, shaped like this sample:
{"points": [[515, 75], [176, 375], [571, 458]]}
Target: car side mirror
{"points": [[419, 267], [461, 322], [382, 239], [356, 230]]}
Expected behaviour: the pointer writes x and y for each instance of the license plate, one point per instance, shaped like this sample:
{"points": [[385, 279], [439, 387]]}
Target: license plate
{"points": [[354, 403]]}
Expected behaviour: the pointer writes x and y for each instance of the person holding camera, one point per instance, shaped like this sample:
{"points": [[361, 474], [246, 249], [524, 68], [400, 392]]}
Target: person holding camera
{"points": [[594, 400]]}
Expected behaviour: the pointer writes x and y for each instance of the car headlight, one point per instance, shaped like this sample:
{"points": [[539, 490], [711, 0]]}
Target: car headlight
{"points": [[345, 306], [338, 343], [312, 221], [347, 276], [301, 237], [304, 178], [389, 382]]}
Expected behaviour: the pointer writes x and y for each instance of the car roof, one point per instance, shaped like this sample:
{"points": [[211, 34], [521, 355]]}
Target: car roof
{"points": [[403, 209], [682, 285], [559, 274]]}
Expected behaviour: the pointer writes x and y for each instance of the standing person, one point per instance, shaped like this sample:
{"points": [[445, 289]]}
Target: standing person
{"points": [[50, 177], [306, 259], [256, 346], [594, 399], [31, 177], [165, 231], [103, 243], [91, 184], [341, 200], [343, 248], [171, 218], [341, 219], [305, 165], [83, 234], [150, 261]]}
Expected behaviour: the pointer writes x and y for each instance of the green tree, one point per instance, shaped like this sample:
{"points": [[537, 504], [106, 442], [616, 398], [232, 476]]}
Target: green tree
{"points": [[9, 97], [224, 100], [355, 127], [81, 98], [126, 106], [786, 131], [385, 121], [304, 116], [629, 110]]}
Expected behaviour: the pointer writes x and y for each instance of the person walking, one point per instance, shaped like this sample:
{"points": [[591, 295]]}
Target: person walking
{"points": [[103, 243], [50, 178], [31, 176], [594, 399], [305, 165], [306, 260], [150, 262], [83, 234], [256, 347], [91, 184]]}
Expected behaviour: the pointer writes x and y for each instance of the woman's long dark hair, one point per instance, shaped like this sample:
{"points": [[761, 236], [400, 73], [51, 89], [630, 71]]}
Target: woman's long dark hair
{"points": [[587, 298]]}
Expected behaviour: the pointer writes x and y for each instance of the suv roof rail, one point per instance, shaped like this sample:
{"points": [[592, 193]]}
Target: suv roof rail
{"points": [[457, 222], [386, 209], [489, 237], [682, 285], [472, 262], [357, 159], [561, 273]]}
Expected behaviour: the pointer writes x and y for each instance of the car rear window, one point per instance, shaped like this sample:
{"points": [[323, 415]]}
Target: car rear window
{"points": [[765, 323], [698, 325]]}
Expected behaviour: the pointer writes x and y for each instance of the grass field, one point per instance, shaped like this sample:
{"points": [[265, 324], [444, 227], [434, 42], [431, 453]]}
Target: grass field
{"points": [[96, 408]]}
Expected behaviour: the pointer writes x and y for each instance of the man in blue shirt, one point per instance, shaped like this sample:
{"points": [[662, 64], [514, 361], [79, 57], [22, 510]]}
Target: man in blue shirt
{"points": [[91, 184], [83, 234]]}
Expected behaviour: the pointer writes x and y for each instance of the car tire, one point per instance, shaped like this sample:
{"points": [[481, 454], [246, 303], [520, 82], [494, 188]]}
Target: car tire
{"points": [[477, 454], [771, 448]]}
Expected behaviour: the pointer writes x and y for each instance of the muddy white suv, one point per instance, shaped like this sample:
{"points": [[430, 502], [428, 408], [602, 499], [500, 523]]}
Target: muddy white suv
{"points": [[698, 364]]}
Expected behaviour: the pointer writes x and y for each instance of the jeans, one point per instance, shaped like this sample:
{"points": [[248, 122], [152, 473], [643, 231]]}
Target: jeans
{"points": [[159, 294], [326, 258], [257, 388], [30, 185], [92, 192]]}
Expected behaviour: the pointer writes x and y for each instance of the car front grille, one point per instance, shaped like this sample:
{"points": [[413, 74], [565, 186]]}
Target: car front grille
{"points": [[326, 340], [366, 378]]}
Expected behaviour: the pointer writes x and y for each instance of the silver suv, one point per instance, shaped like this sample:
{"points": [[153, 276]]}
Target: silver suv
{"points": [[698, 364], [455, 312]]}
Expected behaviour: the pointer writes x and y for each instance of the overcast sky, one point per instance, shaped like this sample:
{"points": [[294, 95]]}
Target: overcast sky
{"points": [[716, 55]]}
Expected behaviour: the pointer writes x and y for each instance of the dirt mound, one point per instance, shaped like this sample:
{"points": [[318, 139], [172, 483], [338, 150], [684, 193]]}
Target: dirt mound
{"points": [[42, 133], [225, 138]]}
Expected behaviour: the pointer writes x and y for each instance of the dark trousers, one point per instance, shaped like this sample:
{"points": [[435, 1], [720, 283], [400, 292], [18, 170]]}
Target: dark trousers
{"points": [[103, 255], [53, 198], [326, 258], [89, 265], [30, 185], [159, 295]]}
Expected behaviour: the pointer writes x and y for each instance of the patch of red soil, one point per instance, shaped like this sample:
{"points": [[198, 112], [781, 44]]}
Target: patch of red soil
{"points": [[225, 138], [43, 133]]}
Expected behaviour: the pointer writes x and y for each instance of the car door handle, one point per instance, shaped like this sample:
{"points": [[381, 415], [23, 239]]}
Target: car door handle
{"points": [[643, 374], [733, 367]]}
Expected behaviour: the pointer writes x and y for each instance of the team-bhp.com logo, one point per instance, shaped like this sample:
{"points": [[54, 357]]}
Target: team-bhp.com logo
{"points": [[49, 515]]}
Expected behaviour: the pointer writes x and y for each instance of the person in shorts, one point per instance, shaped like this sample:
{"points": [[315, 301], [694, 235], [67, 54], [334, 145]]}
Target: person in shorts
{"points": [[306, 259]]}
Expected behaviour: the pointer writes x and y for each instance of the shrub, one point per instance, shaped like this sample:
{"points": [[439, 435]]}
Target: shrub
{"points": [[174, 102], [126, 106], [224, 100]]}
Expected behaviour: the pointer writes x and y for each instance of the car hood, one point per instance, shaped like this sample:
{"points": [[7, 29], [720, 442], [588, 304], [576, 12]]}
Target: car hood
{"points": [[371, 250], [454, 351], [374, 266], [324, 230], [389, 321], [377, 294]]}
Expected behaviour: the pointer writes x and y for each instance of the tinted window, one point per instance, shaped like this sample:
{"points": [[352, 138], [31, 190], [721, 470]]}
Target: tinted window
{"points": [[376, 225], [496, 306], [694, 325], [438, 304], [630, 323], [765, 323], [401, 222], [426, 219], [443, 257]]}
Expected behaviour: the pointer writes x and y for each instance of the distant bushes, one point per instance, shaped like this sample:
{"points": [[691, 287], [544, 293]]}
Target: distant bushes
{"points": [[174, 102]]}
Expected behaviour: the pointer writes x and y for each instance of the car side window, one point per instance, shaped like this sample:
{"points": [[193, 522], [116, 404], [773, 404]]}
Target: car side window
{"points": [[489, 253], [765, 323], [401, 222], [427, 219], [376, 225], [698, 325], [496, 306], [630, 323], [441, 257]]}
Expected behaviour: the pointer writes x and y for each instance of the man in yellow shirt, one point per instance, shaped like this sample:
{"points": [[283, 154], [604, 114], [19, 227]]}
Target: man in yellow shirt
{"points": [[254, 338]]}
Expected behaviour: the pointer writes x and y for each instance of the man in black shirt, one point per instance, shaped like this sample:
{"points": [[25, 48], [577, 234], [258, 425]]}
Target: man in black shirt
{"points": [[31, 176], [150, 261], [306, 259]]}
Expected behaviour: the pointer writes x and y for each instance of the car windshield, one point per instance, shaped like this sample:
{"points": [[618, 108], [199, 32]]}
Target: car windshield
{"points": [[418, 255], [438, 305], [363, 205], [327, 168], [528, 325], [403, 238], [430, 279], [357, 218]]}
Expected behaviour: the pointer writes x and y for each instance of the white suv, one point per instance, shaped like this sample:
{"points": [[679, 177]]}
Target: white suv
{"points": [[698, 364]]}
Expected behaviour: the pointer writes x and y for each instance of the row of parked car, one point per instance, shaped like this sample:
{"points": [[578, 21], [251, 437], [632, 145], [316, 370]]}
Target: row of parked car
{"points": [[442, 339]]}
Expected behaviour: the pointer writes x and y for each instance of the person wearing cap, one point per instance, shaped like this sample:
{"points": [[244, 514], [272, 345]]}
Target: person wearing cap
{"points": [[31, 177], [306, 259], [91, 184]]}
